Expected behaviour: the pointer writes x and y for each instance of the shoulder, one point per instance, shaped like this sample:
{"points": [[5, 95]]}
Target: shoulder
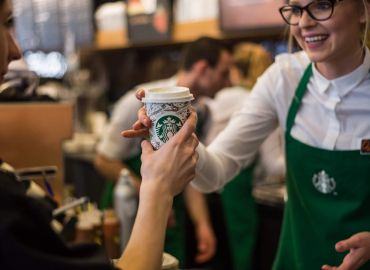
{"points": [[290, 65], [227, 101], [127, 104], [128, 98], [285, 72], [229, 97]]}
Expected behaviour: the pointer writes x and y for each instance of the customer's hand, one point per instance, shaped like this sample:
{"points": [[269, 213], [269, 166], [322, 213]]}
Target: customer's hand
{"points": [[358, 246], [171, 167], [141, 127]]}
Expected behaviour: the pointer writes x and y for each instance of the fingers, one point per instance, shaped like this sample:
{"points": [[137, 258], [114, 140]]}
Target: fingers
{"points": [[345, 244], [328, 267], [194, 141], [138, 125], [188, 128], [135, 133], [140, 93], [143, 118], [355, 241], [358, 247]]}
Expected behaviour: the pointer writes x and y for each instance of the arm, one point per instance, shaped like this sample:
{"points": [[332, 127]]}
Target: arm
{"points": [[198, 209], [112, 148], [145, 247], [235, 147], [358, 247], [110, 169]]}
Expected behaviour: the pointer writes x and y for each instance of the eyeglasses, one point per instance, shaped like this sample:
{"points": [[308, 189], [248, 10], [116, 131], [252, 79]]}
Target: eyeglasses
{"points": [[319, 10]]}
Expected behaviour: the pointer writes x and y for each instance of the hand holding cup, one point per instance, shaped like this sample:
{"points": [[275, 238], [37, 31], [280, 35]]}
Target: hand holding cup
{"points": [[164, 113]]}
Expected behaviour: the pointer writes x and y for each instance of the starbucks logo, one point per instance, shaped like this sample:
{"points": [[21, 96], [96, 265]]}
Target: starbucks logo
{"points": [[324, 183], [167, 126]]}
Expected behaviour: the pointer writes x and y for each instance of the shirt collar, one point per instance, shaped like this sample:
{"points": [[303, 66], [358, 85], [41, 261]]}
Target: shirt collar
{"points": [[346, 83]]}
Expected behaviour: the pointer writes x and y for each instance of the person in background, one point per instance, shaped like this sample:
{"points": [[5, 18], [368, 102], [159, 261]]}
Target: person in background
{"points": [[249, 61], [319, 96], [204, 69], [27, 239]]}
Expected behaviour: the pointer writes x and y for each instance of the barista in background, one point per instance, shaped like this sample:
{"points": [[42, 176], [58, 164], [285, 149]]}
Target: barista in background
{"points": [[204, 68], [249, 61]]}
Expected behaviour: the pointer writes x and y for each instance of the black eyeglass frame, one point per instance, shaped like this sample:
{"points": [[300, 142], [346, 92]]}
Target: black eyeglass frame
{"points": [[306, 8]]}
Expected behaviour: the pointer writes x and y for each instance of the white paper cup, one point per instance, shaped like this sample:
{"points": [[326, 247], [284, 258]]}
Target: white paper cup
{"points": [[168, 108]]}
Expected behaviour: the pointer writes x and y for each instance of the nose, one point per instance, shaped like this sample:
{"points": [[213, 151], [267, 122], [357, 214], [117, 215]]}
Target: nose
{"points": [[14, 50], [306, 20]]}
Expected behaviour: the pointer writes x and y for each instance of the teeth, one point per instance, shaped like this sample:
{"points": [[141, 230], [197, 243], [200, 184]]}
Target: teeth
{"points": [[315, 38]]}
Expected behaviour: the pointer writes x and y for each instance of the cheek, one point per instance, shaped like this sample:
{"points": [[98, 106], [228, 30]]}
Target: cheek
{"points": [[3, 46]]}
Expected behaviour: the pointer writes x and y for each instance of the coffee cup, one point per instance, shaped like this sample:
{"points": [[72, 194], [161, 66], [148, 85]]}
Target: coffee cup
{"points": [[168, 108]]}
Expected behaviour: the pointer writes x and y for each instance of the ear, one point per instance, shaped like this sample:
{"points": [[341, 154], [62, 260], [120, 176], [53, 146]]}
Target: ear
{"points": [[200, 67]]}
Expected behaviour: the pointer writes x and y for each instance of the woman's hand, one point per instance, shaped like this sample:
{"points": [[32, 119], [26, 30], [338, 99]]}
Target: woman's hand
{"points": [[358, 246], [206, 243], [141, 127], [171, 167]]}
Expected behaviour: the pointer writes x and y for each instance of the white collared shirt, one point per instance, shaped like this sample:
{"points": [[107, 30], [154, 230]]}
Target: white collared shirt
{"points": [[334, 115]]}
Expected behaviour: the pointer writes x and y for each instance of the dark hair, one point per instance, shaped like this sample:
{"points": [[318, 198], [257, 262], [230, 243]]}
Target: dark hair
{"points": [[204, 48], [2, 3]]}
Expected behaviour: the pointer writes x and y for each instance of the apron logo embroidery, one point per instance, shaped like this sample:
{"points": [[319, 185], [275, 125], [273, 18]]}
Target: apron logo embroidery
{"points": [[365, 147], [323, 182]]}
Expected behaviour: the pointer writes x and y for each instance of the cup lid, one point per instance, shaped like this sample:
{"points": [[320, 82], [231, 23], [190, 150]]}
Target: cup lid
{"points": [[167, 94]]}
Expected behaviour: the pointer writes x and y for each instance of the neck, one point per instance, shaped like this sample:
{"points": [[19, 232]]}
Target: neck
{"points": [[340, 67]]}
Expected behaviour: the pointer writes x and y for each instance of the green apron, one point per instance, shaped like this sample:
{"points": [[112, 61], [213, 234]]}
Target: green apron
{"points": [[241, 219], [175, 236], [328, 199]]}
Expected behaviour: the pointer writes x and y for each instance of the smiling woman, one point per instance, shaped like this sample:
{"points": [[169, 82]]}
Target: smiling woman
{"points": [[319, 96]]}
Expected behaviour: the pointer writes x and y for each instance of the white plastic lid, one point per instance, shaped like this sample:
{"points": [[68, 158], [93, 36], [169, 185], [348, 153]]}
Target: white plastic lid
{"points": [[167, 94]]}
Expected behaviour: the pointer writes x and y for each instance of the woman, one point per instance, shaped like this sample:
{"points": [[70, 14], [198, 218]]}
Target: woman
{"points": [[27, 240], [320, 97]]}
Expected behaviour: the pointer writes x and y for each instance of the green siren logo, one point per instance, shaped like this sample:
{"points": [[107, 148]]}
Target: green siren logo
{"points": [[167, 126]]}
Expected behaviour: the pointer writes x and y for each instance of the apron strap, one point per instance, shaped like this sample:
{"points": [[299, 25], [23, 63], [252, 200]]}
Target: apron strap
{"points": [[301, 89]]}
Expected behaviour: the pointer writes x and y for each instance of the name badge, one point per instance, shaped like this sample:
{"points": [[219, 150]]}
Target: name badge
{"points": [[365, 147]]}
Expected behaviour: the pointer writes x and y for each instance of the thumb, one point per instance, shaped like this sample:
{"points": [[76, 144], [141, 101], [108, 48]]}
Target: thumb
{"points": [[146, 147], [353, 242]]}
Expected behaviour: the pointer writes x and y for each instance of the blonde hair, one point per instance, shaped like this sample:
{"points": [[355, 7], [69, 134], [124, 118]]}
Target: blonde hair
{"points": [[251, 60], [366, 30]]}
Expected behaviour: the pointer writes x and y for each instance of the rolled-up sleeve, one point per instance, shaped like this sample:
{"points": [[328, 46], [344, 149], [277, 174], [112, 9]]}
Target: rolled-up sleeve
{"points": [[236, 146]]}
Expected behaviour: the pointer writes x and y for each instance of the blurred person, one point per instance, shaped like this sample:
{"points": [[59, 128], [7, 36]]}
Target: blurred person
{"points": [[27, 238], [204, 69], [249, 61]]}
